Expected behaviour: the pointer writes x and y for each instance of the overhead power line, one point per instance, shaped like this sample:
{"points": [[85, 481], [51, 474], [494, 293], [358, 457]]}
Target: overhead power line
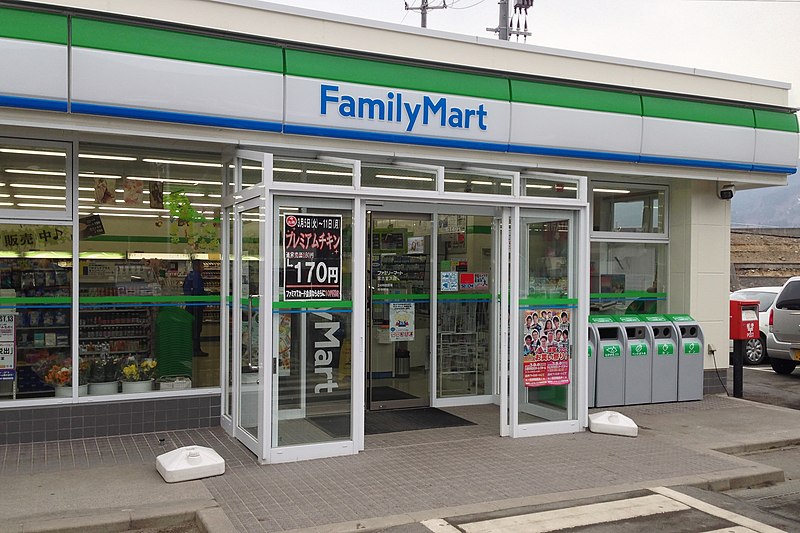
{"points": [[423, 9]]}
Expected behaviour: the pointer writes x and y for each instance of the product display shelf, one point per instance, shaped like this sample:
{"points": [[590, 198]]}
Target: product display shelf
{"points": [[462, 347]]}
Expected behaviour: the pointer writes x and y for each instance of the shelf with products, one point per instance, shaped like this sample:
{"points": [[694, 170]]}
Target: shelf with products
{"points": [[463, 346]]}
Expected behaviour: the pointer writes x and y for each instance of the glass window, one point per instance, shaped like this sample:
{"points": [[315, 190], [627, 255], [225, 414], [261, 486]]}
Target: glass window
{"points": [[628, 278], [625, 209], [545, 187], [149, 271], [301, 171], [35, 313], [33, 178], [476, 183], [398, 178]]}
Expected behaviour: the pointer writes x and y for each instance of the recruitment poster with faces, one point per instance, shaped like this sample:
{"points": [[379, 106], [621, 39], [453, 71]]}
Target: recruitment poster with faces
{"points": [[545, 347]]}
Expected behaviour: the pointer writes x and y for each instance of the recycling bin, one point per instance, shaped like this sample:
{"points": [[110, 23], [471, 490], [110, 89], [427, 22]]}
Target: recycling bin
{"points": [[662, 335], [610, 373], [638, 361], [690, 357], [592, 364]]}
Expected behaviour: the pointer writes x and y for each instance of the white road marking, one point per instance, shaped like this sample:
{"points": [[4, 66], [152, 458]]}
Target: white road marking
{"points": [[439, 525], [734, 529], [716, 511], [760, 368], [584, 515]]}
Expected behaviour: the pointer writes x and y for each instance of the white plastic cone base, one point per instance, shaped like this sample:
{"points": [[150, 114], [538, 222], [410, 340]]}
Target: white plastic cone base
{"points": [[188, 463], [612, 423]]}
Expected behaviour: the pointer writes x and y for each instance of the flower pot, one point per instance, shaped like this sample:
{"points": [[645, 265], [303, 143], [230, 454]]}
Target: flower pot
{"points": [[66, 391], [107, 387], [137, 386]]}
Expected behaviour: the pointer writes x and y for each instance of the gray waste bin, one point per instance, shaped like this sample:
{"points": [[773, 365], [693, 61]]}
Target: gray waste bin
{"points": [[690, 357], [610, 383], [638, 361], [592, 353], [662, 335]]}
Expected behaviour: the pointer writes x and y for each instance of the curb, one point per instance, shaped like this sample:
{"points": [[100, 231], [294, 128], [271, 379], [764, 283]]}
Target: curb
{"points": [[206, 514]]}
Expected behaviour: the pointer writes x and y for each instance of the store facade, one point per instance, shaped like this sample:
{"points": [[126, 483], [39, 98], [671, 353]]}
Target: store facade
{"points": [[225, 226]]}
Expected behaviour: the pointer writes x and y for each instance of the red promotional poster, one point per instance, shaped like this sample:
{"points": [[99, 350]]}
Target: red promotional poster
{"points": [[312, 257], [546, 347]]}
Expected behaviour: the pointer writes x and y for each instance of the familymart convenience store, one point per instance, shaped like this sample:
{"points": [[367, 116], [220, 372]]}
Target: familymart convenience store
{"points": [[375, 231]]}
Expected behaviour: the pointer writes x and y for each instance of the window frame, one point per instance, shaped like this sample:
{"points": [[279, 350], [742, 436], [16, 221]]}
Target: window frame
{"points": [[611, 236]]}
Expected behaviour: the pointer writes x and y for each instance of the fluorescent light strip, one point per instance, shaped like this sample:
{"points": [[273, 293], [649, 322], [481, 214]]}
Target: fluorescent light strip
{"points": [[408, 178], [110, 208], [183, 163], [31, 152], [187, 194], [6, 203], [35, 172], [616, 191], [5, 196], [107, 157], [37, 186], [127, 215], [329, 172], [49, 206], [483, 183], [289, 170], [534, 186], [98, 176], [249, 167], [452, 180], [214, 195], [170, 180], [37, 197]]}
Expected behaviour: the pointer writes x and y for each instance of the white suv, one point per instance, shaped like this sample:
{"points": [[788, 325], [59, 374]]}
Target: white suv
{"points": [[784, 323]]}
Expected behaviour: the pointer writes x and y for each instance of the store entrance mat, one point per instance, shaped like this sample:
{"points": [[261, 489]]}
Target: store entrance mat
{"points": [[387, 394], [377, 422]]}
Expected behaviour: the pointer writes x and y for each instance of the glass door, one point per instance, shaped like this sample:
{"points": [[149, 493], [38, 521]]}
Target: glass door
{"points": [[399, 260], [247, 346], [312, 328], [543, 375]]}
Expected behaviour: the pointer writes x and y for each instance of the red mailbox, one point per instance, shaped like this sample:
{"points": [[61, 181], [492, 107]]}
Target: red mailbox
{"points": [[744, 319]]}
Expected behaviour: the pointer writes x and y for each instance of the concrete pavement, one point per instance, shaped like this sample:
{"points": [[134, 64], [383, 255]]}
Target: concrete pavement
{"points": [[401, 478]]}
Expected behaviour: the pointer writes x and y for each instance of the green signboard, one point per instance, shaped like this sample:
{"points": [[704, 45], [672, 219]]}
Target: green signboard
{"points": [[665, 348], [638, 348]]}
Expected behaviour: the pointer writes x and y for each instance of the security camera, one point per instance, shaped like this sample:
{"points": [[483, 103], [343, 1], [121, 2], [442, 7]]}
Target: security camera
{"points": [[726, 192]]}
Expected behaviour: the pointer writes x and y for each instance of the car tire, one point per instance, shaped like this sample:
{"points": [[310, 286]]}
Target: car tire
{"points": [[755, 351], [783, 366]]}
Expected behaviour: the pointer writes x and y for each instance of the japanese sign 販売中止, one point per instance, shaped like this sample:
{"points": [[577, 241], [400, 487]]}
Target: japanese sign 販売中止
{"points": [[312, 255], [546, 347]]}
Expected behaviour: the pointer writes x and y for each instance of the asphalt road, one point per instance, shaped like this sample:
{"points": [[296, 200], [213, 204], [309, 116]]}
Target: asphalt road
{"points": [[761, 384]]}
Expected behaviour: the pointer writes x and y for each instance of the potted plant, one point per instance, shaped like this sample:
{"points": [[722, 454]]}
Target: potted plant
{"points": [[103, 376], [138, 376], [59, 376]]}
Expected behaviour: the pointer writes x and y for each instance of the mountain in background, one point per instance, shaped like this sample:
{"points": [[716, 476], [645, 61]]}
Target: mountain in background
{"points": [[774, 207]]}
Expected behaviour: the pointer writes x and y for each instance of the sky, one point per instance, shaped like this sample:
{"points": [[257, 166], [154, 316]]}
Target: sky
{"points": [[751, 38]]}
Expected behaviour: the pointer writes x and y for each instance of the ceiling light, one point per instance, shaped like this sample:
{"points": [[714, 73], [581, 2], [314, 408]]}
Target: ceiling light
{"points": [[31, 152], [35, 172], [187, 194], [86, 199], [289, 170], [126, 215], [98, 176], [329, 172], [6, 203], [535, 186], [107, 157], [408, 178], [452, 180], [249, 167], [214, 195], [5, 196], [37, 186], [170, 180], [184, 163], [37, 197], [483, 183], [106, 207], [86, 189], [614, 191], [52, 206]]}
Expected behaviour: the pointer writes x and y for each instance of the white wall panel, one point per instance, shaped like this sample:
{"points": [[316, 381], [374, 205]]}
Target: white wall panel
{"points": [[33, 69], [303, 107], [561, 127], [697, 140], [778, 148], [134, 81]]}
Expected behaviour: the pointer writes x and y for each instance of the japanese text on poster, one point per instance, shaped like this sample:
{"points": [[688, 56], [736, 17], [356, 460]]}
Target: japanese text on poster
{"points": [[546, 347], [401, 321], [7, 346], [312, 255]]}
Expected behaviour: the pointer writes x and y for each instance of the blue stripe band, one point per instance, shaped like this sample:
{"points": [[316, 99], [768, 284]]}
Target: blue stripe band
{"points": [[33, 103], [683, 162], [776, 169], [338, 133], [565, 152], [171, 116]]}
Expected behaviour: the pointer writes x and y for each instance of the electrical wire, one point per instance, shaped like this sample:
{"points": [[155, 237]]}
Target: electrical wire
{"points": [[716, 369], [453, 4]]}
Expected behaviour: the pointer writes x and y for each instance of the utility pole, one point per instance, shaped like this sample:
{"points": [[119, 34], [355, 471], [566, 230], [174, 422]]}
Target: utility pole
{"points": [[503, 29], [423, 10]]}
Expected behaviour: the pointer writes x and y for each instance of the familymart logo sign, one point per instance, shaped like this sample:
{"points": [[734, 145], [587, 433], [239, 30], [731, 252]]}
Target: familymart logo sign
{"points": [[402, 109]]}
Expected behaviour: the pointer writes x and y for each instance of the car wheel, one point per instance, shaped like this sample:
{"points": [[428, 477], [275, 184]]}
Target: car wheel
{"points": [[782, 366], [754, 351]]}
